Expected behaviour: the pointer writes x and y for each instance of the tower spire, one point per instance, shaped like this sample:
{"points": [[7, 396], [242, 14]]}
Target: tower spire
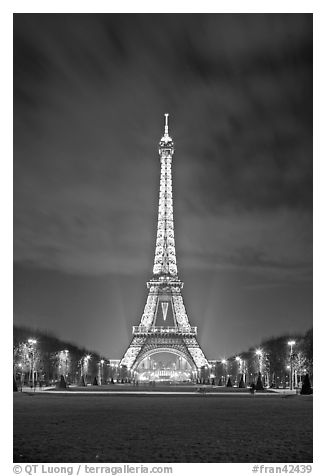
{"points": [[166, 142], [166, 128]]}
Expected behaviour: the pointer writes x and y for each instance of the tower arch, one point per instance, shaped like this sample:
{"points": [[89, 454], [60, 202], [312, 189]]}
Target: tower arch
{"points": [[168, 350]]}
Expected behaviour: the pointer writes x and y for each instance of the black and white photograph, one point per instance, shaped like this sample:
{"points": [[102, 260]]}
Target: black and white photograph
{"points": [[163, 240]]}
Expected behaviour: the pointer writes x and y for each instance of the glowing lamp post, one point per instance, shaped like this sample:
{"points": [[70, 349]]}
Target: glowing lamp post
{"points": [[288, 369], [239, 360], [66, 364], [291, 343], [32, 343], [101, 371], [111, 372], [86, 362], [224, 363], [244, 371], [259, 354]]}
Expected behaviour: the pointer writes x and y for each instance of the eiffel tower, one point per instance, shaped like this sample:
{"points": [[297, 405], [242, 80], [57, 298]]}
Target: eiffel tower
{"points": [[164, 325]]}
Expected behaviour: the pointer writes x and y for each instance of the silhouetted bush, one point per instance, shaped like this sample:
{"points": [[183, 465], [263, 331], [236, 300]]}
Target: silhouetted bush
{"points": [[241, 383], [306, 386], [62, 383], [229, 384], [259, 383]]}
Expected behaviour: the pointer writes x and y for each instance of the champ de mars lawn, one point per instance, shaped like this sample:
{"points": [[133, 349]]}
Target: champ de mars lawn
{"points": [[107, 428]]}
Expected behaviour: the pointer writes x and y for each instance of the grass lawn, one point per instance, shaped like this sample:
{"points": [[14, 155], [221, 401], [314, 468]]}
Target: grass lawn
{"points": [[170, 428]]}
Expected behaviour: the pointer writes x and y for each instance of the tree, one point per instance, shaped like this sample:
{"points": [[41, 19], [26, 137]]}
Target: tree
{"points": [[229, 384], [299, 363], [307, 349], [27, 359]]}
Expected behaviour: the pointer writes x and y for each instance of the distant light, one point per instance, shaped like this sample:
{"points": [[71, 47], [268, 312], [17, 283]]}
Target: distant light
{"points": [[32, 341], [259, 352], [102, 361], [223, 361], [237, 358], [291, 342]]}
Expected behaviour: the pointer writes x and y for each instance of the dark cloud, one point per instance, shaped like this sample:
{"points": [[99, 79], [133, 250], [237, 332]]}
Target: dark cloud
{"points": [[89, 96]]}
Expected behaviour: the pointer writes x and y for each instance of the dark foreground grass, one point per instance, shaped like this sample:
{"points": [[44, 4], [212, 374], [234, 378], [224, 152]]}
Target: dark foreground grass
{"points": [[170, 428]]}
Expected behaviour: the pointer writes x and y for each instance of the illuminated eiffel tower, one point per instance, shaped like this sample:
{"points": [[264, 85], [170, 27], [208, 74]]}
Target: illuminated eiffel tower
{"points": [[164, 325]]}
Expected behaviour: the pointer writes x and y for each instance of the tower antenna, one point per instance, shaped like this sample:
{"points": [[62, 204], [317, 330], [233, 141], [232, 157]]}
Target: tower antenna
{"points": [[166, 129]]}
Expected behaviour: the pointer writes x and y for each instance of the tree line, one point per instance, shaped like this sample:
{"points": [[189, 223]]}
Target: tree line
{"points": [[40, 358], [275, 359]]}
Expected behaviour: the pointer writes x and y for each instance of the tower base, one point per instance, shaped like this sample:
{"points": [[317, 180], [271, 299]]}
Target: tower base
{"points": [[143, 358]]}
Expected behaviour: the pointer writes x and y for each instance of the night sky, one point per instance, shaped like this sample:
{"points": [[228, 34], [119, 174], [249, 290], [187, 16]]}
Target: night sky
{"points": [[90, 93]]}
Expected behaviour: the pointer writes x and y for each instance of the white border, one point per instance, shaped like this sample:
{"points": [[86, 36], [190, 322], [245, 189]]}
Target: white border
{"points": [[168, 6]]}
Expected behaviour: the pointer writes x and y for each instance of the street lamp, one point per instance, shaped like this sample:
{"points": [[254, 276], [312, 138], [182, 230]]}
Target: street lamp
{"points": [[101, 372], [288, 367], [291, 343], [259, 354], [239, 360], [244, 371], [32, 342], [224, 362], [86, 360], [66, 364]]}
